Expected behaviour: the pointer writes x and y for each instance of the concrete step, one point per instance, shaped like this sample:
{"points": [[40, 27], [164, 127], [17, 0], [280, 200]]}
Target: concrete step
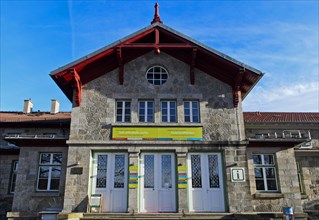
{"points": [[155, 216]]}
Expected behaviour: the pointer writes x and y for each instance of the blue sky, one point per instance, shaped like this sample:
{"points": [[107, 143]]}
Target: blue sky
{"points": [[280, 38]]}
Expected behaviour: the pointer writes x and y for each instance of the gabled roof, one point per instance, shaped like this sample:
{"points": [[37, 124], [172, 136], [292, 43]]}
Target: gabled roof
{"points": [[156, 37], [281, 117]]}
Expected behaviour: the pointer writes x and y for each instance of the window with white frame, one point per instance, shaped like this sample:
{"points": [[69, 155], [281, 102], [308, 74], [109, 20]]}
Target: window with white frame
{"points": [[191, 111], [156, 75], [168, 111], [265, 172], [146, 111], [123, 111], [13, 178], [49, 171]]}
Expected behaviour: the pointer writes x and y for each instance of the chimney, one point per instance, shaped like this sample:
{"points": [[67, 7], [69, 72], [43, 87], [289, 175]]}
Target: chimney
{"points": [[28, 105], [55, 105]]}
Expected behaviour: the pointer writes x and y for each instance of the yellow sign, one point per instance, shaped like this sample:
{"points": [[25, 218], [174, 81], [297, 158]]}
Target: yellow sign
{"points": [[157, 133], [182, 177], [133, 176]]}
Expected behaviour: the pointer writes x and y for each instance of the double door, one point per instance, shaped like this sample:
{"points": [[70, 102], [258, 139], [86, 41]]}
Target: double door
{"points": [[205, 182], [157, 183], [110, 180]]}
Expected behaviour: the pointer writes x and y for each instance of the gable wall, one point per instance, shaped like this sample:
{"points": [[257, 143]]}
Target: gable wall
{"points": [[92, 120]]}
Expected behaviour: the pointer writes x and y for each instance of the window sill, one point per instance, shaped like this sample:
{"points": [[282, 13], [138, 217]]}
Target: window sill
{"points": [[46, 194], [304, 196], [268, 195]]}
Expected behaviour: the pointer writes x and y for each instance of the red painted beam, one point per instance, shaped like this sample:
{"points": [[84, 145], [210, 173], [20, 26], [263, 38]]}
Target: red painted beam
{"points": [[192, 66], [120, 64], [160, 45]]}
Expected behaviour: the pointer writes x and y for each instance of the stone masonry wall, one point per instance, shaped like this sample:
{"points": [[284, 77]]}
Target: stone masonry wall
{"points": [[5, 174], [289, 193], [28, 199], [93, 119]]}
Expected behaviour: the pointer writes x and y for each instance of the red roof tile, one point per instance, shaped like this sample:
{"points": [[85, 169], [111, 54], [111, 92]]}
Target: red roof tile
{"points": [[271, 117], [33, 117]]}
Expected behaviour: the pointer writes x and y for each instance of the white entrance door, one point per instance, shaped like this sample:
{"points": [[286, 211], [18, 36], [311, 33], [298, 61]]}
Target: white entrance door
{"points": [[157, 185], [110, 180], [205, 182]]}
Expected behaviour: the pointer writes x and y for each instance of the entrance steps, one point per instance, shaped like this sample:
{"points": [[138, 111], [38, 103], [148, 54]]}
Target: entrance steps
{"points": [[155, 216]]}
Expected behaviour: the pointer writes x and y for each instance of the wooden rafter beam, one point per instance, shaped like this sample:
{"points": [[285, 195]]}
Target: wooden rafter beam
{"points": [[159, 45], [74, 79], [192, 66], [238, 86], [120, 64]]}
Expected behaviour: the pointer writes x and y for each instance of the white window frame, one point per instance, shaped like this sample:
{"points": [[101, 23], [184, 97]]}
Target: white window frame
{"points": [[123, 102], [146, 102], [263, 167], [168, 111], [151, 71], [13, 176], [50, 166], [191, 110]]}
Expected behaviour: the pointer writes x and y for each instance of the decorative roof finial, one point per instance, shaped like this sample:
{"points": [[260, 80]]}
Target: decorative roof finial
{"points": [[156, 15]]}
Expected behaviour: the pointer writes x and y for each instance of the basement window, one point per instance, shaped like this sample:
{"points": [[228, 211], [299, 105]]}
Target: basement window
{"points": [[156, 75]]}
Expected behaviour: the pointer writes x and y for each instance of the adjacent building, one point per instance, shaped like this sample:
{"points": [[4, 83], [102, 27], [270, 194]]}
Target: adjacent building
{"points": [[157, 131]]}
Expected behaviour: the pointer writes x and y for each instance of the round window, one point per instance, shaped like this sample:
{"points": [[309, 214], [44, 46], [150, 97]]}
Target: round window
{"points": [[156, 75]]}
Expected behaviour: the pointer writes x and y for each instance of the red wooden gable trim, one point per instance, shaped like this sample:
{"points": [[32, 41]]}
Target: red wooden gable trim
{"points": [[159, 39]]}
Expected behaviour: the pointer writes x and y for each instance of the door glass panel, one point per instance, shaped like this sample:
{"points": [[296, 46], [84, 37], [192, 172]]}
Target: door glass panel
{"points": [[166, 171], [196, 171], [119, 171], [213, 171], [149, 171], [101, 171]]}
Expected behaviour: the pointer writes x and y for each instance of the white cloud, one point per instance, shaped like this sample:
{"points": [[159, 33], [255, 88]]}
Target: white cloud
{"points": [[300, 97]]}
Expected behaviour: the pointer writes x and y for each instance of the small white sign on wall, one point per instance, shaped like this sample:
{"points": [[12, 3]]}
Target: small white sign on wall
{"points": [[237, 174]]}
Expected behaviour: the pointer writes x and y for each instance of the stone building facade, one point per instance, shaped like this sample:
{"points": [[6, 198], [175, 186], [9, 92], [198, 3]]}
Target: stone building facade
{"points": [[157, 131]]}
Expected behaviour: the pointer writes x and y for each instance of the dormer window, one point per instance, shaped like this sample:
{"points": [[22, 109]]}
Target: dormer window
{"points": [[156, 75]]}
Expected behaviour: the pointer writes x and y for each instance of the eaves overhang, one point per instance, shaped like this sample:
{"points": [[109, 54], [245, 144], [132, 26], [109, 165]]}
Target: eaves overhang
{"points": [[276, 142], [156, 37]]}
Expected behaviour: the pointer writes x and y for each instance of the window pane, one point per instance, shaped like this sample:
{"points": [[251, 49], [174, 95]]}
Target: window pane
{"points": [[260, 185], [187, 119], [213, 171], [55, 184], [44, 172], [127, 118], [45, 158], [150, 104], [196, 171], [257, 159], [195, 119], [186, 105], [166, 171], [149, 171], [43, 184], [127, 104], [270, 172], [101, 171], [119, 171], [268, 159], [271, 184], [172, 118], [258, 173], [57, 159], [164, 118], [56, 172], [164, 104]]}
